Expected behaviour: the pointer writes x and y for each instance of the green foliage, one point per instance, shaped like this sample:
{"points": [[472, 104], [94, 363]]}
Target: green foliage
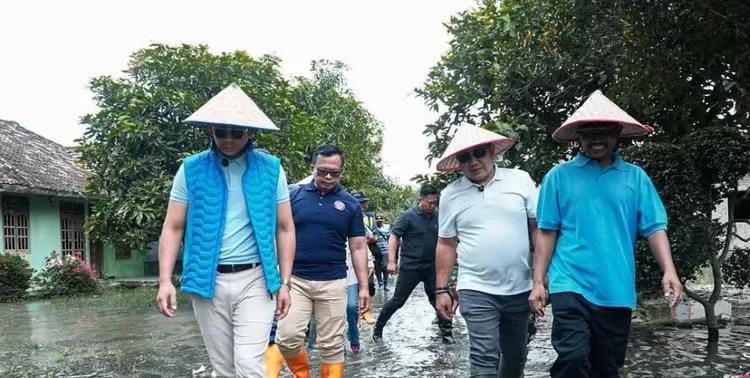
{"points": [[134, 142], [521, 67], [738, 268], [15, 277], [65, 276]]}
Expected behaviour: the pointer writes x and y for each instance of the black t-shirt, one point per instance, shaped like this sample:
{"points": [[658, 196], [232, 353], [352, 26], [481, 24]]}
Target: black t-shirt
{"points": [[419, 233]]}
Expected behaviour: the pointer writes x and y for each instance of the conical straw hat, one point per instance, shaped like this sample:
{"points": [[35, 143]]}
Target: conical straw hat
{"points": [[231, 108], [467, 138], [599, 109]]}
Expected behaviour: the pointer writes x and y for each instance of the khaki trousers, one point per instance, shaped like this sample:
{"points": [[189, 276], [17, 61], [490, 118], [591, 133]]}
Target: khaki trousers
{"points": [[235, 324], [326, 300]]}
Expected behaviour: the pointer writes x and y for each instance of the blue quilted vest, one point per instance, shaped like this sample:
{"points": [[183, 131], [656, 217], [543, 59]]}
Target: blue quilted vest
{"points": [[206, 217]]}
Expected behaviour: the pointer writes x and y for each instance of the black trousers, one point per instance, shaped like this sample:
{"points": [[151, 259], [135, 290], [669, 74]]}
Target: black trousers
{"points": [[590, 340], [380, 261], [405, 284]]}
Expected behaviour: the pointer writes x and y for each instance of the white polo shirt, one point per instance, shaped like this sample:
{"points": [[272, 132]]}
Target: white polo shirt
{"points": [[491, 226]]}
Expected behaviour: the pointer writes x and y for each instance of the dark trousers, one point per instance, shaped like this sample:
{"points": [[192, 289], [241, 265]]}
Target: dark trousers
{"points": [[590, 340], [498, 332], [405, 284], [381, 268]]}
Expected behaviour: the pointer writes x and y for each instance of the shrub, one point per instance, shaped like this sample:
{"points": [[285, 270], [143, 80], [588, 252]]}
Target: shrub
{"points": [[64, 276], [15, 277]]}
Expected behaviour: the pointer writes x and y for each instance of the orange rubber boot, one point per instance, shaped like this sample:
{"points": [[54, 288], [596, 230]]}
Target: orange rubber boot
{"points": [[274, 361], [299, 365], [332, 370]]}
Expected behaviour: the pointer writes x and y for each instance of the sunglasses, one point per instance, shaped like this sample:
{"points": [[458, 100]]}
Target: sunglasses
{"points": [[466, 156], [322, 172], [229, 133]]}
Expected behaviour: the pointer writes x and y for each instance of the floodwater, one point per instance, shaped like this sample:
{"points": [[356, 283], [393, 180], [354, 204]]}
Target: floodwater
{"points": [[61, 339]]}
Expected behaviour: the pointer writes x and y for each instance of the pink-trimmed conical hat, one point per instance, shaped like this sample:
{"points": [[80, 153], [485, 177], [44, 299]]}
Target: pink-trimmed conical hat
{"points": [[599, 109], [231, 107], [467, 138]]}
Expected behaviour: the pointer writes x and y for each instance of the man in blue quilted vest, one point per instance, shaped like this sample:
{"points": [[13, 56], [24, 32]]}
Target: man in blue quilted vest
{"points": [[229, 207], [326, 217]]}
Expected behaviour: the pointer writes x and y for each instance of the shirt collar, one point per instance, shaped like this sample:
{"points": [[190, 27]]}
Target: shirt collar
{"points": [[419, 212], [617, 163], [310, 187], [465, 183]]}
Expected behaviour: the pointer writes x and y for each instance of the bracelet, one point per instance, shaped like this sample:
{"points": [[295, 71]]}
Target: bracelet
{"points": [[443, 292], [441, 288]]}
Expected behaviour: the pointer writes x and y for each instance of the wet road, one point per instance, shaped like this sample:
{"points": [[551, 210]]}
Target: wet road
{"points": [[66, 339]]}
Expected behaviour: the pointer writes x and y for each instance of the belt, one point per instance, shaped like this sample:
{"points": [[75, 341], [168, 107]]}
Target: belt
{"points": [[234, 268]]}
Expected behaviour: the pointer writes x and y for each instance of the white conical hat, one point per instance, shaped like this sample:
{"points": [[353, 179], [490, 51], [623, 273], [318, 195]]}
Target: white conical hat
{"points": [[599, 109], [467, 138], [231, 107]]}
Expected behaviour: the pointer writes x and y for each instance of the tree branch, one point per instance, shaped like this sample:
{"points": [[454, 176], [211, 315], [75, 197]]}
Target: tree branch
{"points": [[694, 295]]}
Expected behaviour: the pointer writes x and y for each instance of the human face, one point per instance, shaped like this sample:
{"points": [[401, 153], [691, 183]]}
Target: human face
{"points": [[230, 141], [327, 172], [427, 204], [477, 166], [599, 143]]}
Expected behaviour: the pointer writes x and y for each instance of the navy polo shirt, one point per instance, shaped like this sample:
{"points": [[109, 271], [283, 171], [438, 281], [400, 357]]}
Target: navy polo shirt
{"points": [[323, 223]]}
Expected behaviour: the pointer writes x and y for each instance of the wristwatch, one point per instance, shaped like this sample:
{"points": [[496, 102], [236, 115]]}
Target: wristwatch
{"points": [[287, 282]]}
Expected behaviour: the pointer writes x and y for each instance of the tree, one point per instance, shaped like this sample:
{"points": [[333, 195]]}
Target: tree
{"points": [[521, 67], [133, 144]]}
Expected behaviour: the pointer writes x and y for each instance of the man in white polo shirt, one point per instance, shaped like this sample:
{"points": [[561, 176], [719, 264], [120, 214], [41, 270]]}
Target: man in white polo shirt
{"points": [[486, 219]]}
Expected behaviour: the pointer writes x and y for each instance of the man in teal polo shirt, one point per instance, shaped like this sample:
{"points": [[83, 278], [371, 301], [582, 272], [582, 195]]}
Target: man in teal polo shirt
{"points": [[589, 213], [229, 207]]}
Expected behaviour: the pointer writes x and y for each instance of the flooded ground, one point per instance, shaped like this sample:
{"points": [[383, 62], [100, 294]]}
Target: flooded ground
{"points": [[124, 338]]}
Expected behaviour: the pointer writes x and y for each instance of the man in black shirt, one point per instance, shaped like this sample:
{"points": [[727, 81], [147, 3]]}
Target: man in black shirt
{"points": [[416, 231]]}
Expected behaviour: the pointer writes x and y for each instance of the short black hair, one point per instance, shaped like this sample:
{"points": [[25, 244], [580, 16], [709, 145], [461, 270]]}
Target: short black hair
{"points": [[427, 190], [326, 150]]}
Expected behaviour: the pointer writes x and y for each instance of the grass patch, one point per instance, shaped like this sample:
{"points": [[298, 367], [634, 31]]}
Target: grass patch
{"points": [[119, 298]]}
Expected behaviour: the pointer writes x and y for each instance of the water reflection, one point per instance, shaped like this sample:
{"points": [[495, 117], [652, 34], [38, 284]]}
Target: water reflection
{"points": [[65, 339]]}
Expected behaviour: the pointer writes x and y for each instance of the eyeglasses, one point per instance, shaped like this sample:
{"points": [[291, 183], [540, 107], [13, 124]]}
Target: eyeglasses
{"points": [[466, 156], [231, 133], [322, 172]]}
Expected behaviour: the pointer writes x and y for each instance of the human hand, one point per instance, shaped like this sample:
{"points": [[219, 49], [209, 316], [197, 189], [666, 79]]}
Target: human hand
{"points": [[283, 302], [166, 299], [538, 299], [671, 285], [444, 305], [364, 300]]}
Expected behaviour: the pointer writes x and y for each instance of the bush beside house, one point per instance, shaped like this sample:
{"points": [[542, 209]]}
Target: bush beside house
{"points": [[15, 277]]}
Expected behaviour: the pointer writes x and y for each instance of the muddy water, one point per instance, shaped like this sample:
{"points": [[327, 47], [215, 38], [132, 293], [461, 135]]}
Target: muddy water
{"points": [[66, 339]]}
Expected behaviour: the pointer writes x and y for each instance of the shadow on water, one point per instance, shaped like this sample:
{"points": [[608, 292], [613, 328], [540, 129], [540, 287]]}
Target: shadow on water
{"points": [[73, 339]]}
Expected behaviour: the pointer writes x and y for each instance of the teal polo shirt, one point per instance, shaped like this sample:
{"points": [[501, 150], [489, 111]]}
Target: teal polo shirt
{"points": [[598, 214]]}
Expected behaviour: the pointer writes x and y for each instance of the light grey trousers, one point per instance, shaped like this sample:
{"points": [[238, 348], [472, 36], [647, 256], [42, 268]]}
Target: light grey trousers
{"points": [[235, 324]]}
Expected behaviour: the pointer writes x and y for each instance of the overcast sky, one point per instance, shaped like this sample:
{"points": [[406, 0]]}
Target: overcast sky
{"points": [[50, 49]]}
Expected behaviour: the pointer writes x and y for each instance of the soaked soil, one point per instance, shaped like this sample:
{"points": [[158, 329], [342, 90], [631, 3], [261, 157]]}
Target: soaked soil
{"points": [[75, 338]]}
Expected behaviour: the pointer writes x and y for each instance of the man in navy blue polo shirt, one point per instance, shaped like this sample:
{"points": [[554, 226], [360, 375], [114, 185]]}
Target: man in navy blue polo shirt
{"points": [[326, 217]]}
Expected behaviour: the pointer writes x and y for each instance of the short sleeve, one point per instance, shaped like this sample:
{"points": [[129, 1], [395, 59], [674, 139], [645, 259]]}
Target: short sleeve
{"points": [[447, 227], [652, 216], [531, 196], [401, 225], [282, 189], [356, 225], [179, 191], [548, 215]]}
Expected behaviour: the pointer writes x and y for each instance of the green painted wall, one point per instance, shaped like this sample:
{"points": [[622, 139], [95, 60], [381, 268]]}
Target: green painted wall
{"points": [[112, 267], [44, 229]]}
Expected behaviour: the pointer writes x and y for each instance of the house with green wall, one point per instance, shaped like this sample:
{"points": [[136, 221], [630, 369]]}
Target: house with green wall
{"points": [[44, 207]]}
